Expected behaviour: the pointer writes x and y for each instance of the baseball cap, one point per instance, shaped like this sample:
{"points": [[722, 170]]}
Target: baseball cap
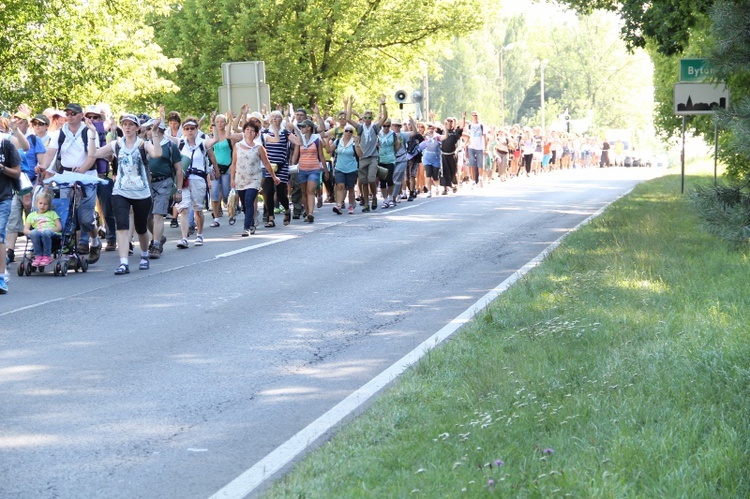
{"points": [[130, 117], [42, 118], [76, 108]]}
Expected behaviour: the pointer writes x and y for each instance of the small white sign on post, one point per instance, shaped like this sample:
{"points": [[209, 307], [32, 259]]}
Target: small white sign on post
{"points": [[700, 98]]}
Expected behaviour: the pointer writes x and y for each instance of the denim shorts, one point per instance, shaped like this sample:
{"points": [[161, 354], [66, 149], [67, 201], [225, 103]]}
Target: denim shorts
{"points": [[349, 179], [4, 214], [309, 176]]}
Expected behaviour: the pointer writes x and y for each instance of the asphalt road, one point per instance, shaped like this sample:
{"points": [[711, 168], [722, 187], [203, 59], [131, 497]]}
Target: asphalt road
{"points": [[173, 381]]}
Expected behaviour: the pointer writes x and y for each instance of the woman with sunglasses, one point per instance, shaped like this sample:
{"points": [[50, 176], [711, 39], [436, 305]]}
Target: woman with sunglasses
{"points": [[346, 153], [309, 158], [131, 188]]}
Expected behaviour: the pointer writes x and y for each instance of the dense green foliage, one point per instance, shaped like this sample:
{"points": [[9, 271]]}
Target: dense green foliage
{"points": [[76, 50], [316, 51]]}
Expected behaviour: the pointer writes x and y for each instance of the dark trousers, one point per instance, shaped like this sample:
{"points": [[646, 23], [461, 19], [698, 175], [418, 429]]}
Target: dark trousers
{"points": [[296, 191], [449, 171], [104, 194], [273, 194]]}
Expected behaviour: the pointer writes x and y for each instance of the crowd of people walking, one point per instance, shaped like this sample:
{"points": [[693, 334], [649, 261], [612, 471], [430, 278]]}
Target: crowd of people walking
{"points": [[144, 170]]}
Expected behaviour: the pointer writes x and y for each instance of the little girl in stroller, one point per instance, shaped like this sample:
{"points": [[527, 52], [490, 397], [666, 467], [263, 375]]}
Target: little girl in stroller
{"points": [[42, 226]]}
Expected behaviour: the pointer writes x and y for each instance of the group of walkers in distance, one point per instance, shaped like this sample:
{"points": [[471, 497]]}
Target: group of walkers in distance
{"points": [[145, 170]]}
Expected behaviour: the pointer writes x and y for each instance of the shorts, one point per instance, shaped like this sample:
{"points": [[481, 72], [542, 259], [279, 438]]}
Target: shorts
{"points": [[368, 170], [476, 157], [194, 195], [16, 218], [160, 193], [141, 208], [412, 166], [4, 214], [432, 172], [309, 176], [348, 179]]}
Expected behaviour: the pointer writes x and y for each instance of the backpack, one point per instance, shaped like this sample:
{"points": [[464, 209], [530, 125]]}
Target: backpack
{"points": [[141, 149], [61, 141], [206, 159]]}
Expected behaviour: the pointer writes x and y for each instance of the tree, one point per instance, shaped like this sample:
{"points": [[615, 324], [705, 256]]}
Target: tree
{"points": [[315, 51], [78, 50], [668, 24]]}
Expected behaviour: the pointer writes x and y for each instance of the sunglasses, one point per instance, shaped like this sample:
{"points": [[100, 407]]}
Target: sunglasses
{"points": [[69, 113], [188, 128], [348, 131], [38, 123], [94, 117], [367, 117]]}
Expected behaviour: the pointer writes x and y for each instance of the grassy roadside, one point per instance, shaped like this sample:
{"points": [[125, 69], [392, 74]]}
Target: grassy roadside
{"points": [[619, 367]]}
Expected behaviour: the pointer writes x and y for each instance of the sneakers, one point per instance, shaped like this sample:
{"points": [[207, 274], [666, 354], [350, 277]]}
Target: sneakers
{"points": [[374, 204], [36, 261], [215, 223], [429, 193], [246, 233], [199, 240], [155, 250], [174, 223], [82, 248], [44, 261], [122, 269], [337, 209], [3, 285], [111, 246], [94, 253], [350, 210], [183, 244], [366, 209]]}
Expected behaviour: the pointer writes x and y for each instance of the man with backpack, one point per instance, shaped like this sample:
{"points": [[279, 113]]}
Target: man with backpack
{"points": [[69, 153], [166, 178]]}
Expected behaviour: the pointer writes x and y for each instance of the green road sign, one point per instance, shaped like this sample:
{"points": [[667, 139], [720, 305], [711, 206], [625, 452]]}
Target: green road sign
{"points": [[695, 70]]}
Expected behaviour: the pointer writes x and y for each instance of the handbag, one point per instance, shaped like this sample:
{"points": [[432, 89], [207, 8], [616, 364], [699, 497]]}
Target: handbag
{"points": [[22, 185]]}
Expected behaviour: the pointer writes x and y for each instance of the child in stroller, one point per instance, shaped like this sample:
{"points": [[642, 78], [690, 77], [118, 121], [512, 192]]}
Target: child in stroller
{"points": [[42, 226]]}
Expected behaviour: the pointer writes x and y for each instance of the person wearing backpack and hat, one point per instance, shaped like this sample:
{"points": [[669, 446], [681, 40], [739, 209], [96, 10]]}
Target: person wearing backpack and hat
{"points": [[102, 166], [131, 189]]}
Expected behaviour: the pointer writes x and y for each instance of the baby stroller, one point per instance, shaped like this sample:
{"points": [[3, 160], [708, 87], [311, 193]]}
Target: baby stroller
{"points": [[64, 248]]}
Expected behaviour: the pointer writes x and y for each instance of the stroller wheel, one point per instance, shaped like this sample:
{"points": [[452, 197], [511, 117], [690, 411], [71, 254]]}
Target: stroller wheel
{"points": [[84, 265], [28, 268], [56, 270], [21, 268], [64, 269]]}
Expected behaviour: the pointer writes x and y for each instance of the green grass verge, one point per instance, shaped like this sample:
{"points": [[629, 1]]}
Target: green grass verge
{"points": [[617, 368]]}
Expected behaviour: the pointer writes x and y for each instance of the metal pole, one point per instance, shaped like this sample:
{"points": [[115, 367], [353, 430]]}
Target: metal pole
{"points": [[716, 150], [502, 88], [682, 158], [544, 127]]}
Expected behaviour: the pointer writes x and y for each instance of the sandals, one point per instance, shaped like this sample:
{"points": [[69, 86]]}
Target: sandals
{"points": [[287, 217], [270, 223], [122, 269], [310, 219], [144, 264], [215, 223], [232, 220]]}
